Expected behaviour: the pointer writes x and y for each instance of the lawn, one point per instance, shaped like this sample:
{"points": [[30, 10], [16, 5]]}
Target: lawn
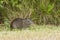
{"points": [[44, 32]]}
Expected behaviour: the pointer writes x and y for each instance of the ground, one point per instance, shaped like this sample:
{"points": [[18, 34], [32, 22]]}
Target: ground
{"points": [[39, 33]]}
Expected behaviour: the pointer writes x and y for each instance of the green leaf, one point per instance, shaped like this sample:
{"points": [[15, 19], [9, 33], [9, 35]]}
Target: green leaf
{"points": [[50, 7]]}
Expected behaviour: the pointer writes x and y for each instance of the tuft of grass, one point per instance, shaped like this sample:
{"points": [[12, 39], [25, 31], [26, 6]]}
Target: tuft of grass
{"points": [[32, 28], [36, 32]]}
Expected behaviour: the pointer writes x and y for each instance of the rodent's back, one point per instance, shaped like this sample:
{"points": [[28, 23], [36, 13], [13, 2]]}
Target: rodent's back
{"points": [[16, 23]]}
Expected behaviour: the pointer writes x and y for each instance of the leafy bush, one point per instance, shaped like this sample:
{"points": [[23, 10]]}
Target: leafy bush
{"points": [[40, 11]]}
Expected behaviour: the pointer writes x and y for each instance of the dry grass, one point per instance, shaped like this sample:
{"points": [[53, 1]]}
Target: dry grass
{"points": [[38, 34]]}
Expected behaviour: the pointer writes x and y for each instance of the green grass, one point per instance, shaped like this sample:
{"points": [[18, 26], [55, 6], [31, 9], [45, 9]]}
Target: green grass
{"points": [[42, 32], [32, 28]]}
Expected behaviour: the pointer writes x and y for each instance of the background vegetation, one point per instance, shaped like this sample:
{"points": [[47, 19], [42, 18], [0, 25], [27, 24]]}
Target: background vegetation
{"points": [[40, 11]]}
